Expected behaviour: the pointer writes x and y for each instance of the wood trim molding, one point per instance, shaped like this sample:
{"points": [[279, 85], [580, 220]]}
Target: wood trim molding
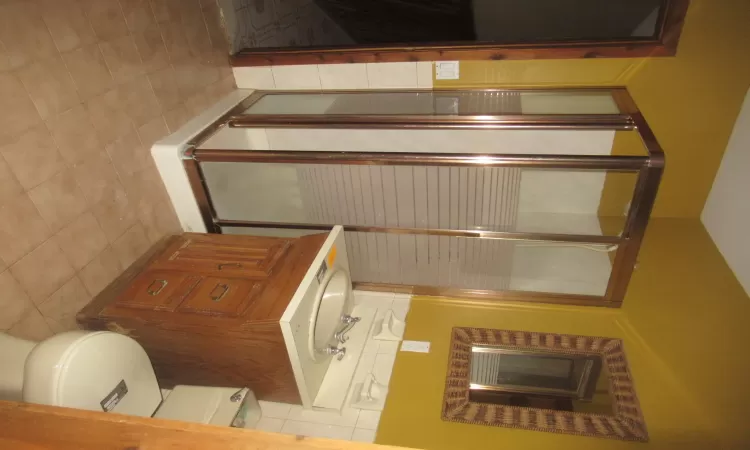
{"points": [[666, 45], [27, 426]]}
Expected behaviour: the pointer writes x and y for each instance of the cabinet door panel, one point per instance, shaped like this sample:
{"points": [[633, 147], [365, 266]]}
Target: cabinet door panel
{"points": [[225, 256]]}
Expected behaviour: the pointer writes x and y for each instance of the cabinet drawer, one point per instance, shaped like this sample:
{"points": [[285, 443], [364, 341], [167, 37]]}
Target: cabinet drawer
{"points": [[215, 296], [224, 256], [158, 290]]}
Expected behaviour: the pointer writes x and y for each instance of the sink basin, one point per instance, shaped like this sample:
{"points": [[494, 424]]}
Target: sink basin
{"points": [[331, 303]]}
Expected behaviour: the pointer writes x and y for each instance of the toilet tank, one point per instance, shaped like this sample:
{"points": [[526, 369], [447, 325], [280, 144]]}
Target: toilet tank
{"points": [[100, 371]]}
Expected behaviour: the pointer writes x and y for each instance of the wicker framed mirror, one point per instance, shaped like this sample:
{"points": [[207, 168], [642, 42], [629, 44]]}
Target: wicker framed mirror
{"points": [[542, 381]]}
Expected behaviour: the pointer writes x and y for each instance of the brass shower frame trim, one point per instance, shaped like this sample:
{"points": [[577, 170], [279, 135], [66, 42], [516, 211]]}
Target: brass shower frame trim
{"points": [[649, 169]]}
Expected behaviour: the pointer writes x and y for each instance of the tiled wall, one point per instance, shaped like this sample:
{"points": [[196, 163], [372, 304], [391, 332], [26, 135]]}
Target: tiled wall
{"points": [[400, 75], [86, 86]]}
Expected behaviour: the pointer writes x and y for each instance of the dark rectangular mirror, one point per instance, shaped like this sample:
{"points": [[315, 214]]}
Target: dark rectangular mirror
{"points": [[372, 30]]}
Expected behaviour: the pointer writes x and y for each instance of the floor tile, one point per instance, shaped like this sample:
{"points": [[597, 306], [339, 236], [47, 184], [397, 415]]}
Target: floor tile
{"points": [[347, 418], [317, 430], [269, 424], [363, 435], [368, 419], [274, 409]]}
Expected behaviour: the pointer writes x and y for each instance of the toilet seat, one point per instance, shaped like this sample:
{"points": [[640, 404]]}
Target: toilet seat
{"points": [[331, 301]]}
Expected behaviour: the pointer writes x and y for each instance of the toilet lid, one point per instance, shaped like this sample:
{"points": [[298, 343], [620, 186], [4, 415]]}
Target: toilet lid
{"points": [[331, 301], [100, 371]]}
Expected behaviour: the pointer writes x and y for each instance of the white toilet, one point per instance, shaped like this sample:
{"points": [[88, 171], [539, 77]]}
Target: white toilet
{"points": [[105, 371]]}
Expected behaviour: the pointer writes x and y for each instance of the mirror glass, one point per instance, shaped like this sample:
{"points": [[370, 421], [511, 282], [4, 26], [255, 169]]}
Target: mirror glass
{"points": [[274, 24], [537, 379]]}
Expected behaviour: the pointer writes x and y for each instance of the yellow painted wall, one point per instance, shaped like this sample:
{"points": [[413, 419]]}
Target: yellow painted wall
{"points": [[690, 100], [680, 346], [685, 317]]}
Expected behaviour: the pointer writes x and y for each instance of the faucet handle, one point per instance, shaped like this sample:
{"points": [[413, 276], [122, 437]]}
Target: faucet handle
{"points": [[339, 352]]}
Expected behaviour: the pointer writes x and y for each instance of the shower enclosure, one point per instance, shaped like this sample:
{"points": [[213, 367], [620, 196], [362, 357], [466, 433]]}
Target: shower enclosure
{"points": [[531, 195]]}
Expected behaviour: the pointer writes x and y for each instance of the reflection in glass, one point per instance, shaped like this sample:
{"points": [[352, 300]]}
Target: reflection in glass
{"points": [[538, 379], [448, 103], [265, 24]]}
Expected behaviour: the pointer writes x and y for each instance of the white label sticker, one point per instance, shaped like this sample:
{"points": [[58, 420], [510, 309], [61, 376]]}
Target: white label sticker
{"points": [[415, 346], [446, 70]]}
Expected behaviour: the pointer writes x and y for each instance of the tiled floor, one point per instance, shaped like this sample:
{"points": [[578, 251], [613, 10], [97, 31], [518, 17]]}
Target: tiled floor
{"points": [[351, 423]]}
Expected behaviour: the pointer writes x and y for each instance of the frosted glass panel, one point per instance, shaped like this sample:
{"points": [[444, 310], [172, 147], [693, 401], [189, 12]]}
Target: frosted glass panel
{"points": [[465, 198], [438, 103]]}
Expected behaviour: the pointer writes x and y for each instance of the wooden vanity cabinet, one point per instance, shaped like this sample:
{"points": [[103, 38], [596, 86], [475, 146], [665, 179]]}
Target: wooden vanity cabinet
{"points": [[206, 309]]}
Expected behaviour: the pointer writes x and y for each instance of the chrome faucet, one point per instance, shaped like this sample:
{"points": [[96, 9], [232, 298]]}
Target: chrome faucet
{"points": [[336, 351], [348, 322]]}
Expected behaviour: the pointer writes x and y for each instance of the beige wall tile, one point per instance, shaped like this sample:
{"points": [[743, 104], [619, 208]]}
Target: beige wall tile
{"points": [[24, 33], [115, 215], [89, 71], [131, 245], [175, 41], [100, 271], [212, 14], [122, 58], [62, 110], [59, 200], [145, 188], [127, 154], [296, 77], [33, 156], [139, 101], [343, 76], [21, 228], [165, 87], [50, 86], [106, 18], [108, 116], [17, 111], [254, 77], [74, 134], [32, 327], [392, 75], [151, 48], [97, 178], [60, 308], [151, 132], [166, 10], [4, 59], [177, 117], [196, 33], [82, 240], [159, 221], [14, 302], [9, 185], [42, 271], [67, 24], [138, 15], [424, 74]]}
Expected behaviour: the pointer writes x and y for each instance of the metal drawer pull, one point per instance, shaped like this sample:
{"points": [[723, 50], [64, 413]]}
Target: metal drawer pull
{"points": [[237, 265], [156, 292], [217, 297]]}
